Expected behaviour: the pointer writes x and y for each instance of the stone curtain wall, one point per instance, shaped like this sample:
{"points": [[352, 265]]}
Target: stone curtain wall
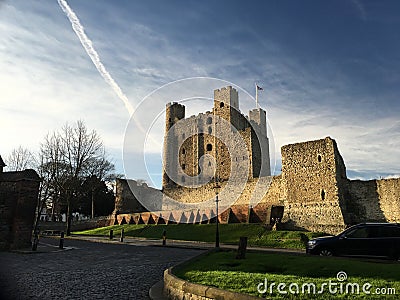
{"points": [[18, 200], [239, 211], [374, 200], [126, 201], [362, 202], [389, 198]]}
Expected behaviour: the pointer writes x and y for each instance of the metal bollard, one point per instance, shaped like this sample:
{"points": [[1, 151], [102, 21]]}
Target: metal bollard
{"points": [[121, 239], [62, 240], [241, 254], [111, 234], [164, 238]]}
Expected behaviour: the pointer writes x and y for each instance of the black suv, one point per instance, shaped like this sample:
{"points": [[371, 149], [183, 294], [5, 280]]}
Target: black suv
{"points": [[366, 239]]}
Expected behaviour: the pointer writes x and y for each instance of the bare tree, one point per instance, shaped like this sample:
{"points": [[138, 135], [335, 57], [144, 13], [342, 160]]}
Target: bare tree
{"points": [[67, 158], [20, 159]]}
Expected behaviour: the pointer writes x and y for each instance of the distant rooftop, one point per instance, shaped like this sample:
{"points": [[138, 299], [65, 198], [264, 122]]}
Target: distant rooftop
{"points": [[2, 164], [27, 174]]}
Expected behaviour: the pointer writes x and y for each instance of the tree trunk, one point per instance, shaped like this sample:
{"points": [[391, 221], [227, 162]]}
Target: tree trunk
{"points": [[92, 203], [69, 218]]}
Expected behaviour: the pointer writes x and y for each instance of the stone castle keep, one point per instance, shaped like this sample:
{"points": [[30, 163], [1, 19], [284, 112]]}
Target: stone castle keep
{"points": [[202, 135], [312, 192]]}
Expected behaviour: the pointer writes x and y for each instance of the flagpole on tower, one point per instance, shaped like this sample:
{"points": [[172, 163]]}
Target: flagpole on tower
{"points": [[258, 88], [256, 95]]}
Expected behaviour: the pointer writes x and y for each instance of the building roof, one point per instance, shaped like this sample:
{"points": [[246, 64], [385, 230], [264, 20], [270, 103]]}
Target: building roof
{"points": [[2, 164], [28, 174]]}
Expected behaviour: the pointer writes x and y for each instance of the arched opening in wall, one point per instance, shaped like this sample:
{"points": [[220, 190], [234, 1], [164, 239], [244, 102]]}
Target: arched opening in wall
{"points": [[209, 130], [319, 158], [323, 194], [221, 104], [209, 120], [183, 166], [209, 163], [169, 119], [183, 135], [209, 147], [183, 151]]}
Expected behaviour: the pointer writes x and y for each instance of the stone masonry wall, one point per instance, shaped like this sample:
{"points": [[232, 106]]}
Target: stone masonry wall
{"points": [[374, 200], [18, 200], [310, 186], [389, 198], [126, 201]]}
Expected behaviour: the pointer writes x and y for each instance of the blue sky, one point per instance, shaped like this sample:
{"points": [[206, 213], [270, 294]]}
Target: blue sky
{"points": [[328, 68]]}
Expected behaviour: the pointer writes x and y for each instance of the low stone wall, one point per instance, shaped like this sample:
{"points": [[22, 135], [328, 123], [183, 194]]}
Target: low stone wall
{"points": [[179, 289], [77, 225]]}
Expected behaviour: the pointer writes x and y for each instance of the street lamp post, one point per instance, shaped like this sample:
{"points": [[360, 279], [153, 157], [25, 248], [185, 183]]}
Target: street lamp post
{"points": [[217, 187]]}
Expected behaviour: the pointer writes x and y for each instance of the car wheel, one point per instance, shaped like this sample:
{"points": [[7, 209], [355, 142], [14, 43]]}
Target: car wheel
{"points": [[325, 252]]}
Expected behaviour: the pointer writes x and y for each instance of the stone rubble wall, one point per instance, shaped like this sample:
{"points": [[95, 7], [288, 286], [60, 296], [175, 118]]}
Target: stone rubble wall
{"points": [[389, 198], [374, 200], [310, 186], [18, 200]]}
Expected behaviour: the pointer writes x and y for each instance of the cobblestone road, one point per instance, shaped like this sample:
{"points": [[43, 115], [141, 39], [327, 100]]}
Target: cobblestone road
{"points": [[90, 271]]}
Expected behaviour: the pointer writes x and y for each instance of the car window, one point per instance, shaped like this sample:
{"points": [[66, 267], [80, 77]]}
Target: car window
{"points": [[390, 231], [375, 231], [358, 233]]}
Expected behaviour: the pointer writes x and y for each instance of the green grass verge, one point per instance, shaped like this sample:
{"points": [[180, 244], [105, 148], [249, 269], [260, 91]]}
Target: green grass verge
{"points": [[229, 233], [222, 270]]}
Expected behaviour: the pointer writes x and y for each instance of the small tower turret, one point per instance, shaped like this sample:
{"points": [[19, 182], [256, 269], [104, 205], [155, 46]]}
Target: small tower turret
{"points": [[174, 112]]}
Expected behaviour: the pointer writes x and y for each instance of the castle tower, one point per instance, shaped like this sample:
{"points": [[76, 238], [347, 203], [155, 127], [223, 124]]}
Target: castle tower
{"points": [[174, 112], [226, 106], [260, 143], [313, 177]]}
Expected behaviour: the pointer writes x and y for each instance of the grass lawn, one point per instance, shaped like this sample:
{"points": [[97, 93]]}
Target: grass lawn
{"points": [[222, 270], [229, 233]]}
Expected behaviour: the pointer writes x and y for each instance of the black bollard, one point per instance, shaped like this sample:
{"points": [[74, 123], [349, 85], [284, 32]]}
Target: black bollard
{"points": [[111, 234], [121, 239], [164, 238], [62, 240], [241, 254]]}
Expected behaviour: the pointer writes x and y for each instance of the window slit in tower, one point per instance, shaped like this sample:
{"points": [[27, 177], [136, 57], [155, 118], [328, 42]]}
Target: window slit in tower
{"points": [[323, 194]]}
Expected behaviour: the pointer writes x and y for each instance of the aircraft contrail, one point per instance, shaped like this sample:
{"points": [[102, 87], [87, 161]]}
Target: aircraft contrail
{"points": [[94, 56]]}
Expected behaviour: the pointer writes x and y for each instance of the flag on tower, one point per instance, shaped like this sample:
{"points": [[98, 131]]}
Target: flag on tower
{"points": [[258, 88]]}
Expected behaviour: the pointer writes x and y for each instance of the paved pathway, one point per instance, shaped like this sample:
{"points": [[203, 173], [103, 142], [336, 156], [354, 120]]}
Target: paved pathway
{"points": [[89, 270]]}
